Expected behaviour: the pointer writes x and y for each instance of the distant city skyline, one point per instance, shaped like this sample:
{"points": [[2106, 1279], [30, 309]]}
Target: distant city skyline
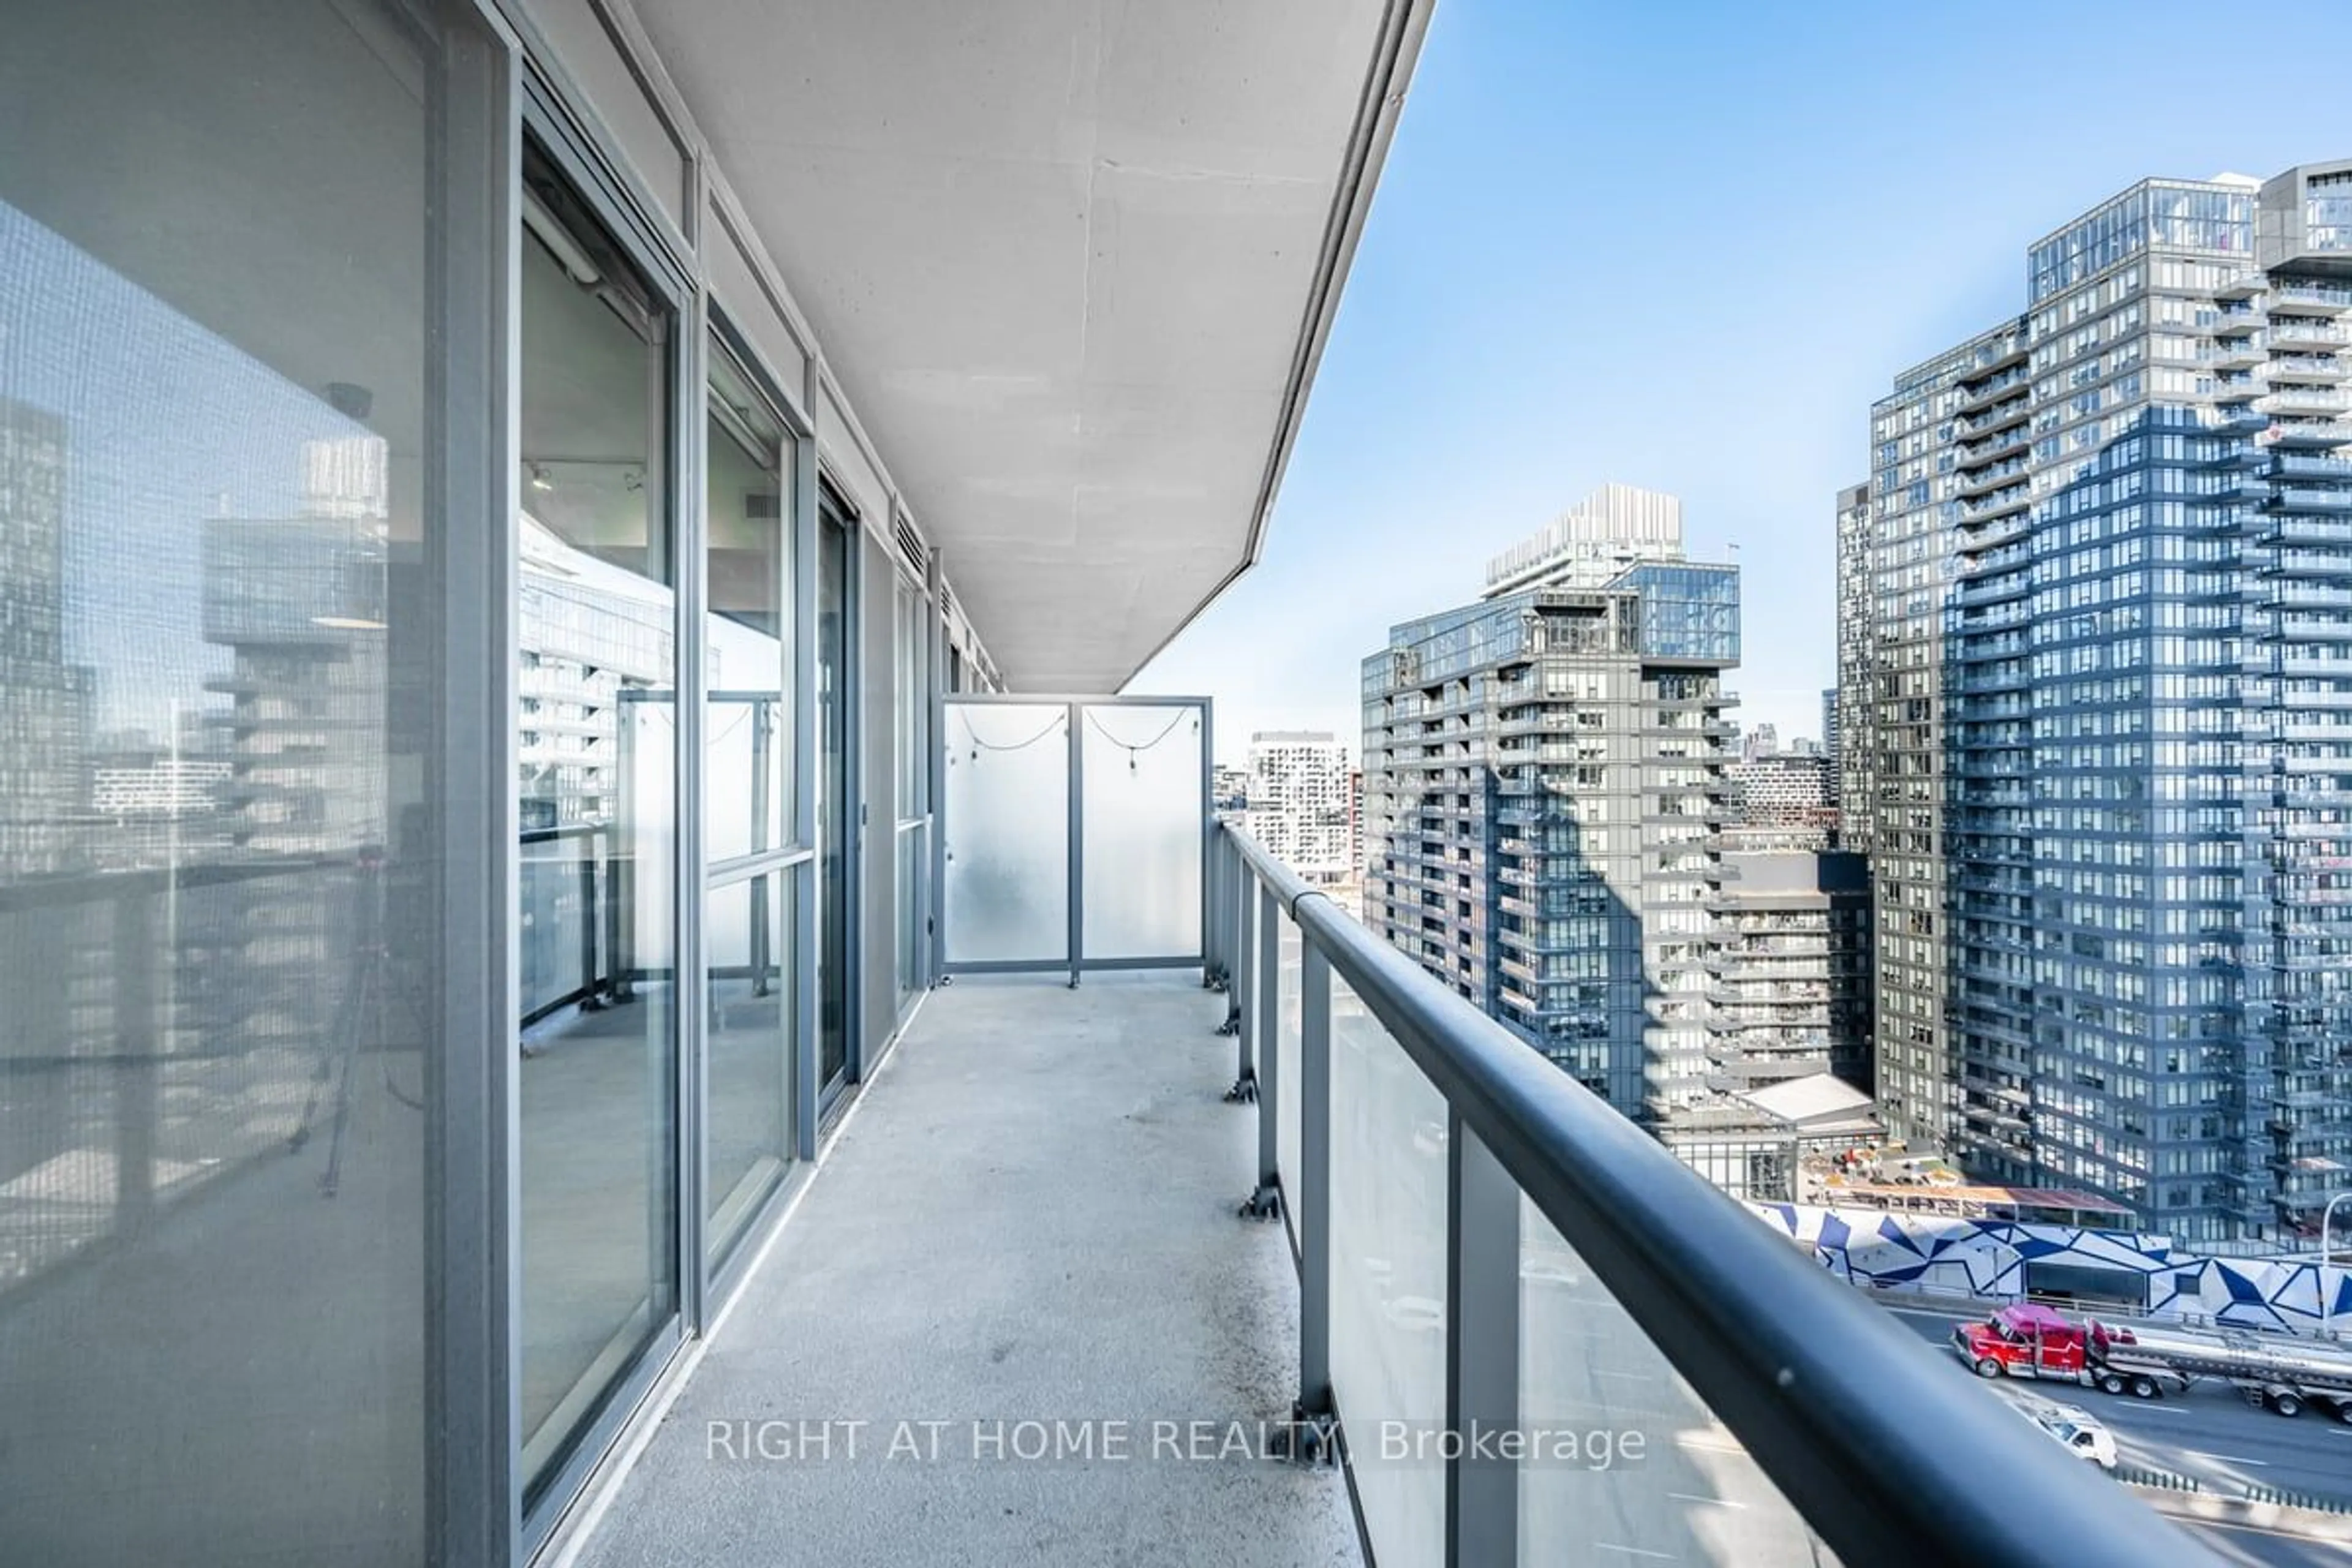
{"points": [[1663, 299], [146, 465]]}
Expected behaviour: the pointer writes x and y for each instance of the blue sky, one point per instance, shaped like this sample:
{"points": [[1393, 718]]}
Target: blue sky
{"points": [[1684, 244], [166, 425]]}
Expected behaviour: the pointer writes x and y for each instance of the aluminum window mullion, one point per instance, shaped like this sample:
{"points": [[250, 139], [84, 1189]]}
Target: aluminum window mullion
{"points": [[934, 761], [808, 761], [690, 540], [742, 866], [473, 1494]]}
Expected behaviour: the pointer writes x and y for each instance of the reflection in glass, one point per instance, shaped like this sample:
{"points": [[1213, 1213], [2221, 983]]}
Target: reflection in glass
{"points": [[748, 946], [748, 735], [598, 745], [217, 860]]}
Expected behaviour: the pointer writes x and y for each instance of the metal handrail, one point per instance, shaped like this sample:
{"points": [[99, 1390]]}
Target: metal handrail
{"points": [[1826, 1392]]}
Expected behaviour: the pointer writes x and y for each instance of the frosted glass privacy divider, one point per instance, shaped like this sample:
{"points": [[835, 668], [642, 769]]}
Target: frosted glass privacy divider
{"points": [[1286, 1006], [1653, 1477], [1145, 809], [1388, 1280], [1008, 832]]}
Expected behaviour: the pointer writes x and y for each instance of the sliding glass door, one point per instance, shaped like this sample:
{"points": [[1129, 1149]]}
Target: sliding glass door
{"points": [[597, 745], [750, 906]]}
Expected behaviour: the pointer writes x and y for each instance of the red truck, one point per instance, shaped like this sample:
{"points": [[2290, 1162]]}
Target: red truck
{"points": [[2286, 1373], [2024, 1339]]}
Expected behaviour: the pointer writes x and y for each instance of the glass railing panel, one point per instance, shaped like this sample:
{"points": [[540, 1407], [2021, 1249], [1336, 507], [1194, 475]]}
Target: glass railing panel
{"points": [[1622, 1462], [1008, 847], [557, 943], [1388, 1276], [1286, 1014]]}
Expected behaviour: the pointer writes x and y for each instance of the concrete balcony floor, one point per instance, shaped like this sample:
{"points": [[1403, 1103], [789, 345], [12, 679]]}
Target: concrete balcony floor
{"points": [[1030, 1216]]}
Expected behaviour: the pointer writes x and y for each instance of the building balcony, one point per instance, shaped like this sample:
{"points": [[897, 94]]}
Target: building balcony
{"points": [[2308, 628], [2012, 501], [2242, 286], [2013, 383], [2309, 563], [2238, 352], [2298, 368], [2305, 400], [2008, 355], [2305, 466], [2308, 435], [1999, 475], [2295, 333], [2002, 444], [2309, 499], [2237, 489], [2014, 523], [990, 1304], [2004, 416], [2304, 596], [2310, 299], [1996, 677], [1992, 562]]}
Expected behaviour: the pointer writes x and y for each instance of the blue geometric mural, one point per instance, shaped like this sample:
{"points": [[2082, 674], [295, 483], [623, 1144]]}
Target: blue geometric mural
{"points": [[1986, 1258]]}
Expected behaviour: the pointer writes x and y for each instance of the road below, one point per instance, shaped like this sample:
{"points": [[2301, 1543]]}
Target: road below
{"points": [[2209, 1433]]}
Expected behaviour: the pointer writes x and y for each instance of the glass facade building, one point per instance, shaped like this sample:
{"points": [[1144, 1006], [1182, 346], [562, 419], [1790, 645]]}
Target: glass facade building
{"points": [[1543, 777], [2091, 635]]}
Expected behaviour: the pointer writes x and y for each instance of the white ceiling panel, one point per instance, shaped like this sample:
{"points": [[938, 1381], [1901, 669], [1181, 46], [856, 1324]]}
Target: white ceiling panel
{"points": [[1071, 261]]}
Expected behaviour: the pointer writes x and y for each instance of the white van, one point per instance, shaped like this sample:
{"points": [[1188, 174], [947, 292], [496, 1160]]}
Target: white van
{"points": [[2079, 1431]]}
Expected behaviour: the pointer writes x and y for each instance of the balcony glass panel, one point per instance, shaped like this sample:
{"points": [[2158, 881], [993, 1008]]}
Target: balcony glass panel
{"points": [[563, 874], [1008, 850], [1631, 1467], [1388, 1274], [1144, 804], [1287, 1022]]}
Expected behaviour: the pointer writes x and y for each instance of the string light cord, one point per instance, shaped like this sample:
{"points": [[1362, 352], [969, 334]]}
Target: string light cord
{"points": [[1133, 750], [979, 745]]}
